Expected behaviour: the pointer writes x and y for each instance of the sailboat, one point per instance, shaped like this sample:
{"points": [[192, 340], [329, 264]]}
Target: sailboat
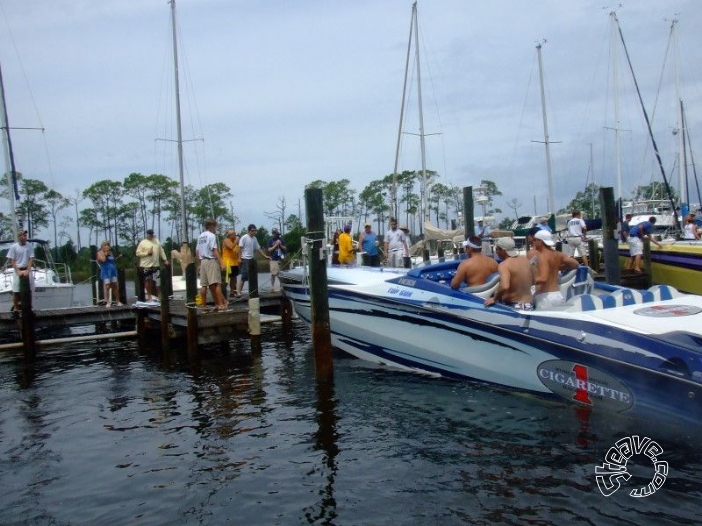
{"points": [[53, 286], [676, 263]]}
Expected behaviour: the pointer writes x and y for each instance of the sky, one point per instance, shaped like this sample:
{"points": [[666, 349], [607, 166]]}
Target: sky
{"points": [[277, 94]]}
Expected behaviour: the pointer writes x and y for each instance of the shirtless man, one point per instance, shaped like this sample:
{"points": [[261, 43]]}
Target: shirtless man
{"points": [[515, 277], [549, 262], [477, 268]]}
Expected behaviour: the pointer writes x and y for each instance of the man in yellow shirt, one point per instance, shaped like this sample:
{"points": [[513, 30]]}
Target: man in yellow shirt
{"points": [[150, 253], [346, 255]]}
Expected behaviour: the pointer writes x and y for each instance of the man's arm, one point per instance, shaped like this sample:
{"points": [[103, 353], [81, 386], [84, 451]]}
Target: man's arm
{"points": [[458, 279]]}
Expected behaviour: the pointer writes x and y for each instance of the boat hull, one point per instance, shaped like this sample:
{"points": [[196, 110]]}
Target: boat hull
{"points": [[678, 265]]}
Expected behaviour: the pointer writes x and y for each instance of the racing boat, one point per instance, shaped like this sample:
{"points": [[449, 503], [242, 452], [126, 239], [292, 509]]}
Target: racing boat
{"points": [[630, 351]]}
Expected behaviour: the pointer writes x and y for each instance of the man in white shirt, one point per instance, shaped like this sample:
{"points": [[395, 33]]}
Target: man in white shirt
{"points": [[576, 236], [395, 245], [248, 245], [21, 257], [211, 265]]}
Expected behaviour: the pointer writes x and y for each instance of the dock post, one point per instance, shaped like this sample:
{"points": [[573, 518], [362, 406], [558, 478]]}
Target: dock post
{"points": [[28, 336], [165, 285], [610, 241], [141, 313], [190, 293], [254, 300], [646, 259], [95, 283], [593, 251], [468, 212], [122, 285], [317, 261]]}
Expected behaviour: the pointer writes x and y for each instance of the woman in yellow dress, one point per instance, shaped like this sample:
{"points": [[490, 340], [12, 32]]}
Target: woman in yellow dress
{"points": [[231, 257]]}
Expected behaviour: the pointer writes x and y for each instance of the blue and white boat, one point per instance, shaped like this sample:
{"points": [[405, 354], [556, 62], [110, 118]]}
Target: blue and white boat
{"points": [[629, 351]]}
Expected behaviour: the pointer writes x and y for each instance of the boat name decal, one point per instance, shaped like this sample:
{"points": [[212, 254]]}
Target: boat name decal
{"points": [[400, 292], [583, 384], [667, 311]]}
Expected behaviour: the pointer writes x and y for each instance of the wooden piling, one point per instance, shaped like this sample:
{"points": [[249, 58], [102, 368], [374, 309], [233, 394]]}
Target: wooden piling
{"points": [[165, 286], [95, 282], [140, 313], [254, 301], [610, 239], [468, 212], [28, 336], [122, 285], [317, 261], [190, 292], [646, 260]]}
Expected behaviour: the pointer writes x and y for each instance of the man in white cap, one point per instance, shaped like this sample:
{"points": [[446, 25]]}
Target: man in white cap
{"points": [[548, 263], [516, 277], [477, 268]]}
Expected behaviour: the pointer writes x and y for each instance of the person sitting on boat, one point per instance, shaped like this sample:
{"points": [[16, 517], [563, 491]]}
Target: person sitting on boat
{"points": [[543, 224], [21, 257], [477, 268], [636, 236], [690, 230], [548, 263], [346, 254], [624, 233], [577, 234], [515, 277], [368, 242], [108, 273], [395, 245]]}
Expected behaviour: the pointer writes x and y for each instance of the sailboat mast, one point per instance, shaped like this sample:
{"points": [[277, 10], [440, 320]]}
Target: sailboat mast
{"points": [[682, 172], [551, 202], [615, 81], [183, 223], [10, 172], [421, 116], [402, 116]]}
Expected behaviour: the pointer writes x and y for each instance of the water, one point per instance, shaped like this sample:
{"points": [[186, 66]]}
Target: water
{"points": [[99, 434]]}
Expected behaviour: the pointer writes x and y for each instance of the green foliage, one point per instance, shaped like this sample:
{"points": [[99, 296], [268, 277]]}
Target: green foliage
{"points": [[587, 201], [652, 191]]}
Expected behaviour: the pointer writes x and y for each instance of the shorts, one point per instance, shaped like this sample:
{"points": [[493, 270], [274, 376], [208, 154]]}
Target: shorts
{"points": [[521, 305], [108, 274], [210, 273], [575, 244], [151, 274], [233, 271], [635, 246], [16, 282], [396, 259], [275, 268], [549, 300]]}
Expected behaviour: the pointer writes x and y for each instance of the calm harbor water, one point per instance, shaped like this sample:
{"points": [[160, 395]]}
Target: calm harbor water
{"points": [[101, 434]]}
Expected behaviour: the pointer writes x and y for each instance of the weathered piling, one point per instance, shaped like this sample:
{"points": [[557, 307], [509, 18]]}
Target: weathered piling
{"points": [[28, 336], [122, 285], [190, 292], [646, 259], [140, 313], [95, 283], [321, 333], [468, 212], [610, 242], [165, 286], [254, 299]]}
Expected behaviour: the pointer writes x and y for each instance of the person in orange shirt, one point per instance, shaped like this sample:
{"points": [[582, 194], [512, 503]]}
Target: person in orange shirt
{"points": [[231, 258], [346, 255]]}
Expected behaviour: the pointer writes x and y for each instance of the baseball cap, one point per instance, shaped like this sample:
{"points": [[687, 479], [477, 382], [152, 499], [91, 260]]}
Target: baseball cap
{"points": [[546, 237], [506, 244]]}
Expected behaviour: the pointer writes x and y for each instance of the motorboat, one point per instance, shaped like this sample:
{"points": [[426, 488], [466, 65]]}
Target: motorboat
{"points": [[629, 351]]}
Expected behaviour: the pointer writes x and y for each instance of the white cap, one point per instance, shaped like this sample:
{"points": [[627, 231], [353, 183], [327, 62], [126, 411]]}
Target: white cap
{"points": [[546, 237]]}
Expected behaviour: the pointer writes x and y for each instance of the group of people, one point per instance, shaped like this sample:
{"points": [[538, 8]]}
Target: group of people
{"points": [[395, 246], [526, 282]]}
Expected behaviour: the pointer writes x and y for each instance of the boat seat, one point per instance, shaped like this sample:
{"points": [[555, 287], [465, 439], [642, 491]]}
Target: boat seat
{"points": [[585, 302], [664, 292], [487, 289], [624, 297], [577, 281]]}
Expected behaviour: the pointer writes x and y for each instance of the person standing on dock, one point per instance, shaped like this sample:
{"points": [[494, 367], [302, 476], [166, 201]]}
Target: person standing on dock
{"points": [[276, 249], [231, 255], [21, 257], [368, 242], [577, 234], [248, 244], [395, 245], [108, 273], [636, 236], [150, 253], [211, 265]]}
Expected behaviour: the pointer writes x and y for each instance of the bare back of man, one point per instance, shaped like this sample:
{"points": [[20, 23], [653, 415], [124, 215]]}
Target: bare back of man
{"points": [[515, 281], [548, 264], [474, 270]]}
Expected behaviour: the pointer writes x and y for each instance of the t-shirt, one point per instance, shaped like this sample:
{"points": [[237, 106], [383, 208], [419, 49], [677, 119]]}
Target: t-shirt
{"points": [[249, 244], [345, 249], [647, 229], [278, 253], [575, 227], [20, 254], [394, 239], [206, 245]]}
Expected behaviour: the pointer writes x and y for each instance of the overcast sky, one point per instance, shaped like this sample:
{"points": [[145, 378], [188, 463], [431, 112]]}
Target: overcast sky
{"points": [[285, 92]]}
